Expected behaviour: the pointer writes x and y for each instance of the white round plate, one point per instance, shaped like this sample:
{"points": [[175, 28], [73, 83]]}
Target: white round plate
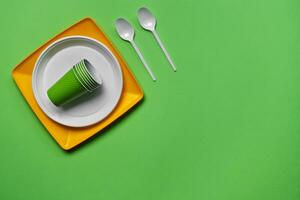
{"points": [[60, 57]]}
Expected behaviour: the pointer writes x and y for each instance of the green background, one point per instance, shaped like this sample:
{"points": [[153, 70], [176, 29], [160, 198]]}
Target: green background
{"points": [[225, 126]]}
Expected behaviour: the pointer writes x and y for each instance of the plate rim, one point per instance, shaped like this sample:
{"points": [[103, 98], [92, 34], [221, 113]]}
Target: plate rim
{"points": [[34, 77]]}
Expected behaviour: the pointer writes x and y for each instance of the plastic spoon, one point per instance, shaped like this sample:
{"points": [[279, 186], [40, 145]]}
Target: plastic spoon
{"points": [[126, 32], [148, 22]]}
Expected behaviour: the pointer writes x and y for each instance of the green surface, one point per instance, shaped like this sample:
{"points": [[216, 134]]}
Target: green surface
{"points": [[225, 126]]}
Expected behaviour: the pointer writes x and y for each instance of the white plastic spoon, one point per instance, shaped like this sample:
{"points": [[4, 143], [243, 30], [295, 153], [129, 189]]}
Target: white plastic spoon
{"points": [[126, 32], [148, 22]]}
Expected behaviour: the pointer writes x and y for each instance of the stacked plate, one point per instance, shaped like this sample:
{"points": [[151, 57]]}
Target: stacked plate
{"points": [[61, 57]]}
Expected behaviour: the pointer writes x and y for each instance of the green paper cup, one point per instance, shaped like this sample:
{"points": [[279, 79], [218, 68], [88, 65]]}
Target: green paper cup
{"points": [[82, 78], [66, 89]]}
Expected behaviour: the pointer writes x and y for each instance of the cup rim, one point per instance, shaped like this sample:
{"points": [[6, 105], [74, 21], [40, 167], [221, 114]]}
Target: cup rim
{"points": [[83, 72], [81, 80], [91, 70]]}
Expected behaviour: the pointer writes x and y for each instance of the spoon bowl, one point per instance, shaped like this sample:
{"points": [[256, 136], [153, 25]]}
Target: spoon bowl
{"points": [[146, 19], [124, 29]]}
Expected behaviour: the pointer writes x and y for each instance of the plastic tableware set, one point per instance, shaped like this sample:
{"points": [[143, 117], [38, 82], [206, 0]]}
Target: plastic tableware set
{"points": [[77, 83]]}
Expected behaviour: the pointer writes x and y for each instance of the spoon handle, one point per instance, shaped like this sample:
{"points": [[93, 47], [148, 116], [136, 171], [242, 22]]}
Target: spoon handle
{"points": [[164, 49], [143, 60]]}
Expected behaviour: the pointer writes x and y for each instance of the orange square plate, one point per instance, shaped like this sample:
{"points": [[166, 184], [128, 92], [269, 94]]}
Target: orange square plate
{"points": [[68, 137]]}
